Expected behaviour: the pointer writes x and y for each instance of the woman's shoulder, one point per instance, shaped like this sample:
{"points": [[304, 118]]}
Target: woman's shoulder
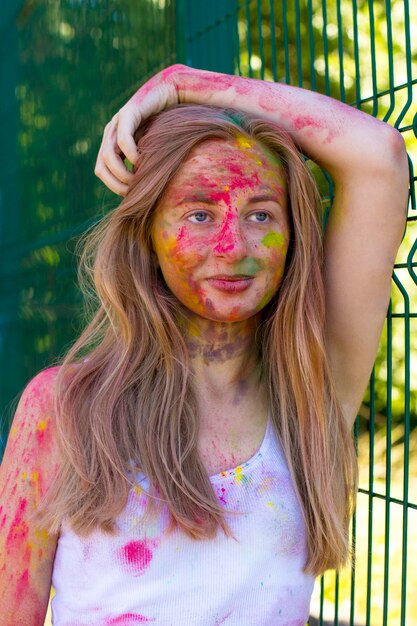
{"points": [[38, 394], [34, 419], [41, 388]]}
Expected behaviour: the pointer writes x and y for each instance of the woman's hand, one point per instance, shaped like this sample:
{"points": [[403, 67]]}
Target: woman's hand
{"points": [[158, 93]]}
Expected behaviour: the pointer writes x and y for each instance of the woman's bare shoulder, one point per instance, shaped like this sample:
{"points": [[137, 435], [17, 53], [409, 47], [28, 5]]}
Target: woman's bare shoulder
{"points": [[30, 464], [32, 433]]}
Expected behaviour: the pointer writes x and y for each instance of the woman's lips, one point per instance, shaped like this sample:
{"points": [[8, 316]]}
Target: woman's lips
{"points": [[230, 284]]}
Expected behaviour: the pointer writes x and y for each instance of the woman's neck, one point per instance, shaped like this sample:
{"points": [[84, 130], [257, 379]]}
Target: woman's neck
{"points": [[224, 356]]}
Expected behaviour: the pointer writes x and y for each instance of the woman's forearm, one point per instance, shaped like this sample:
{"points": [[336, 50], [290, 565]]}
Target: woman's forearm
{"points": [[338, 137]]}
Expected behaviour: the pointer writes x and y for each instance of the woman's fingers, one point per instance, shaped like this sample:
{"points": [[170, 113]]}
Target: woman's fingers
{"points": [[129, 119], [110, 167], [155, 95], [115, 183], [110, 180]]}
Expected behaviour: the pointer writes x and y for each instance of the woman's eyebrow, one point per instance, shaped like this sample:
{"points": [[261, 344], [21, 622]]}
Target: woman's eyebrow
{"points": [[197, 197], [203, 197], [266, 197]]}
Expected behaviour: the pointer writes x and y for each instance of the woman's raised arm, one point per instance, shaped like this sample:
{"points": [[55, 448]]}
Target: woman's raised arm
{"points": [[338, 137], [26, 549], [368, 163]]}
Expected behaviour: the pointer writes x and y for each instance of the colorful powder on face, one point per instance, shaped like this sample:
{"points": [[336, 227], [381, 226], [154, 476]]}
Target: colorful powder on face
{"points": [[244, 142], [274, 240], [248, 266]]}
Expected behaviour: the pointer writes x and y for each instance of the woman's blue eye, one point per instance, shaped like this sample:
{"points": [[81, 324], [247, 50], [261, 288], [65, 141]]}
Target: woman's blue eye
{"points": [[261, 216], [200, 216]]}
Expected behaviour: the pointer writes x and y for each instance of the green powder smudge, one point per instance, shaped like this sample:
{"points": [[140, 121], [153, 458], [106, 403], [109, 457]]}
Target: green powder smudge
{"points": [[249, 266], [273, 240]]}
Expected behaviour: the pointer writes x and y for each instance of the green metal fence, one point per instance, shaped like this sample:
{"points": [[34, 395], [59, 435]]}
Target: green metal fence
{"points": [[66, 66]]}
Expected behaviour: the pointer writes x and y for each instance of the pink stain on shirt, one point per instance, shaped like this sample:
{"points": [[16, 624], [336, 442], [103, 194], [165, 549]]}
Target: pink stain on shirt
{"points": [[222, 493], [129, 618], [223, 619], [136, 556]]}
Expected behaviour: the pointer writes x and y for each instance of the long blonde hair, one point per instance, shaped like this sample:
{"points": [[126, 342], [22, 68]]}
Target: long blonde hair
{"points": [[132, 404]]}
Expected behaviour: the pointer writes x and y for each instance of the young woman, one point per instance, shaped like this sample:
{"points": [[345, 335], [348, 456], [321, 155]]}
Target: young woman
{"points": [[190, 461]]}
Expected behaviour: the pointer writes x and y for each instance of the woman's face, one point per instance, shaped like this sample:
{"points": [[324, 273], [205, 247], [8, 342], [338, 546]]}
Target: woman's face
{"points": [[221, 230]]}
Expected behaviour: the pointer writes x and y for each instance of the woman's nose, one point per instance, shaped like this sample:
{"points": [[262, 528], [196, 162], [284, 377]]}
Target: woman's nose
{"points": [[230, 241]]}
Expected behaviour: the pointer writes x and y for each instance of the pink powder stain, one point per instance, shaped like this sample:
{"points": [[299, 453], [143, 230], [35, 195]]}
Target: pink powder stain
{"points": [[226, 238], [269, 102], [223, 619], [129, 618], [307, 122], [222, 82], [301, 121], [86, 551], [19, 531], [22, 586], [221, 493], [43, 432], [136, 556]]}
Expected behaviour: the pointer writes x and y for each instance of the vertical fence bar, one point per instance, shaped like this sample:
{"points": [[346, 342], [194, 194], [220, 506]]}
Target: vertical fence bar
{"points": [[353, 567], [286, 49], [390, 60], [373, 58], [408, 64], [406, 447], [336, 599], [340, 51], [273, 44], [298, 43], [236, 39], [260, 38], [388, 467], [370, 497], [321, 601], [356, 55], [325, 49], [311, 45], [248, 38]]}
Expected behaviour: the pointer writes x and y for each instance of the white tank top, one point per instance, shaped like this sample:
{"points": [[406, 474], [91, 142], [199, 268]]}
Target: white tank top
{"points": [[144, 575]]}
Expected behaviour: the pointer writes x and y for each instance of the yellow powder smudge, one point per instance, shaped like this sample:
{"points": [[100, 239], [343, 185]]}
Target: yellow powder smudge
{"points": [[240, 477], [272, 505], [43, 424], [42, 537], [244, 142]]}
